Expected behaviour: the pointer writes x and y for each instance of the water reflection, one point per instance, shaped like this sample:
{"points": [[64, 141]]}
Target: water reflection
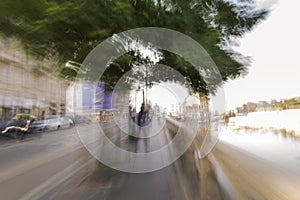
{"points": [[279, 148]]}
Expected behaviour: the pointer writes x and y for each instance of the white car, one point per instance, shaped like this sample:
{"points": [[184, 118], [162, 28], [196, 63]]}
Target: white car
{"points": [[58, 123]]}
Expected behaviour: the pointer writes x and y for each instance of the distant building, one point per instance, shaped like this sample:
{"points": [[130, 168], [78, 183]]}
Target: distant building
{"points": [[251, 107], [263, 106], [25, 86], [272, 105], [240, 110]]}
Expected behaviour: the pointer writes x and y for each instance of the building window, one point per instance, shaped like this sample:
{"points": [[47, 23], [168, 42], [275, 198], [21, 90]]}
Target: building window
{"points": [[62, 109], [52, 108], [7, 113]]}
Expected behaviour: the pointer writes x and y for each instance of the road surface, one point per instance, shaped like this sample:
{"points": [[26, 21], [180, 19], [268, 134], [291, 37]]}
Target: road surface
{"points": [[55, 165]]}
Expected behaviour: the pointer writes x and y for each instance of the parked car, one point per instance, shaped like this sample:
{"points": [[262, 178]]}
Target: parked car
{"points": [[54, 123], [37, 125]]}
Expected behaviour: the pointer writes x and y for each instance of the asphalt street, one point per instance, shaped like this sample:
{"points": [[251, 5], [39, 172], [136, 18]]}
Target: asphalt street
{"points": [[56, 165]]}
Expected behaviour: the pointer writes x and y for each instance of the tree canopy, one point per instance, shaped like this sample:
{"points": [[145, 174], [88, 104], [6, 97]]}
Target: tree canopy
{"points": [[69, 30]]}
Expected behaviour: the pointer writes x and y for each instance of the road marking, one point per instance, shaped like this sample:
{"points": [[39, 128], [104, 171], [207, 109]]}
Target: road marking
{"points": [[23, 168], [40, 191]]}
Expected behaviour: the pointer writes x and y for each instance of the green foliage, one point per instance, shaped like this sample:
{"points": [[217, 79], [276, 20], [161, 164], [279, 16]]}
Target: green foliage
{"points": [[69, 30]]}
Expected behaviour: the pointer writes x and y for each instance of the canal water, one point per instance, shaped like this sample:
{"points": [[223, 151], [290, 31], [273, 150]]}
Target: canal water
{"points": [[277, 147]]}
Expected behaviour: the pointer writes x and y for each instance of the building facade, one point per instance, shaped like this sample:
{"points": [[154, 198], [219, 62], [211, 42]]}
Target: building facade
{"points": [[25, 87]]}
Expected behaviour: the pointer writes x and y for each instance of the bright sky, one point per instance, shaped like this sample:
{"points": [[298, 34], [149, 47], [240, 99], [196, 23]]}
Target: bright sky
{"points": [[160, 95], [274, 48], [166, 95]]}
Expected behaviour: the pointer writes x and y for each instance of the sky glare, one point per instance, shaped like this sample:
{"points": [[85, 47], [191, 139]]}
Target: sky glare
{"points": [[274, 48]]}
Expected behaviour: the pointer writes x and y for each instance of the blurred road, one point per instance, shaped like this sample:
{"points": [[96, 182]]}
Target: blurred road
{"points": [[28, 164], [55, 165]]}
